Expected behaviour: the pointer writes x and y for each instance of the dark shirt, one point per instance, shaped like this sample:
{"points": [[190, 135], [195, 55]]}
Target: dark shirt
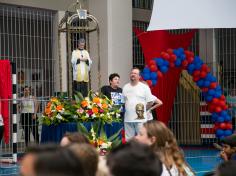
{"points": [[114, 94]]}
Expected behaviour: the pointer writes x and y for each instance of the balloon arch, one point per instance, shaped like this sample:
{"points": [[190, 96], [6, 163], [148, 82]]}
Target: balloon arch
{"points": [[201, 75]]}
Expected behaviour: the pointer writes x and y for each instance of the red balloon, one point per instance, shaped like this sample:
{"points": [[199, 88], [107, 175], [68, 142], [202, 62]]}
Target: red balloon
{"points": [[223, 126], [215, 101], [173, 58], [159, 74], [196, 73], [204, 67], [228, 126], [172, 65], [165, 55], [204, 89], [211, 108], [151, 62], [185, 63], [203, 74], [218, 109], [170, 51], [153, 68], [213, 85], [222, 97], [225, 107], [221, 103], [149, 82], [216, 127], [195, 79], [190, 59]]}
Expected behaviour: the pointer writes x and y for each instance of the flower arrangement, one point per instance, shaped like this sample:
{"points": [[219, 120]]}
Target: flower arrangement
{"points": [[98, 137], [56, 111], [93, 108], [96, 107]]}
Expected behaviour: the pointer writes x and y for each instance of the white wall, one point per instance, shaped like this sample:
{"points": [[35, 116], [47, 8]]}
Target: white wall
{"points": [[115, 22]]}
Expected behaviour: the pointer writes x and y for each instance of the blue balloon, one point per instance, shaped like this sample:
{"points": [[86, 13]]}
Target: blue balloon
{"points": [[154, 82], [228, 118], [217, 95], [159, 61], [191, 67], [153, 75], [227, 132], [181, 50], [219, 133], [207, 83], [214, 119], [200, 83], [220, 119], [178, 62], [198, 66], [218, 88], [213, 79], [224, 113], [166, 63], [146, 70], [209, 77], [182, 57], [215, 115], [211, 92], [209, 98], [146, 76], [177, 53], [163, 69], [197, 60]]}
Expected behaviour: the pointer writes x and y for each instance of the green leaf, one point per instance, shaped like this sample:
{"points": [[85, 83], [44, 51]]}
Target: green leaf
{"points": [[116, 143], [114, 136], [82, 129], [103, 134]]}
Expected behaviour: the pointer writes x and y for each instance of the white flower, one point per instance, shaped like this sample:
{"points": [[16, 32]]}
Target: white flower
{"points": [[62, 111], [75, 117], [104, 146], [117, 115], [87, 115], [94, 115], [59, 116], [87, 98], [53, 110]]}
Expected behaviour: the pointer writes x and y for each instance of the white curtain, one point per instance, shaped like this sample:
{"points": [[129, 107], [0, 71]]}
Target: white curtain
{"points": [[188, 14]]}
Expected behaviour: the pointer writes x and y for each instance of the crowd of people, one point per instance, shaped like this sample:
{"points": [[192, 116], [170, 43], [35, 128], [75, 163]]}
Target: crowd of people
{"points": [[151, 148], [152, 152]]}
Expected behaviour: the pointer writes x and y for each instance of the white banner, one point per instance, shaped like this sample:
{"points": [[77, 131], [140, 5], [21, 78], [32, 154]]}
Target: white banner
{"points": [[188, 14]]}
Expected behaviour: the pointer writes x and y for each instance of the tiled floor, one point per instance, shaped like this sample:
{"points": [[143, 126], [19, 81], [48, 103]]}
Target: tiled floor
{"points": [[202, 160]]}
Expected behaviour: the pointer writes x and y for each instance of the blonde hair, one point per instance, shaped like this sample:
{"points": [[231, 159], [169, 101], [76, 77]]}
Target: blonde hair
{"points": [[165, 146]]}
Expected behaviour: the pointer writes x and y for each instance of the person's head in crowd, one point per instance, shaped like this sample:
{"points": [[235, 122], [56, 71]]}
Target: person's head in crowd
{"points": [[134, 75], [61, 162], [134, 159], [88, 156], [81, 43], [27, 91], [227, 168], [28, 161], [229, 147], [163, 142], [75, 137], [114, 80]]}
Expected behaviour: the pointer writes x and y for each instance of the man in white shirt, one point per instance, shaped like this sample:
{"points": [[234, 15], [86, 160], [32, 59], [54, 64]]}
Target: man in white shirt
{"points": [[136, 95], [81, 64]]}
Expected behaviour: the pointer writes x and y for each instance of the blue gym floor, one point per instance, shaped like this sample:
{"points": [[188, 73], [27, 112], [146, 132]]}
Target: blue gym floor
{"points": [[201, 160]]}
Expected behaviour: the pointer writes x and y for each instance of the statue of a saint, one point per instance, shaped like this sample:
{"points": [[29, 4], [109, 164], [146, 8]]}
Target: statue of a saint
{"points": [[81, 64]]}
